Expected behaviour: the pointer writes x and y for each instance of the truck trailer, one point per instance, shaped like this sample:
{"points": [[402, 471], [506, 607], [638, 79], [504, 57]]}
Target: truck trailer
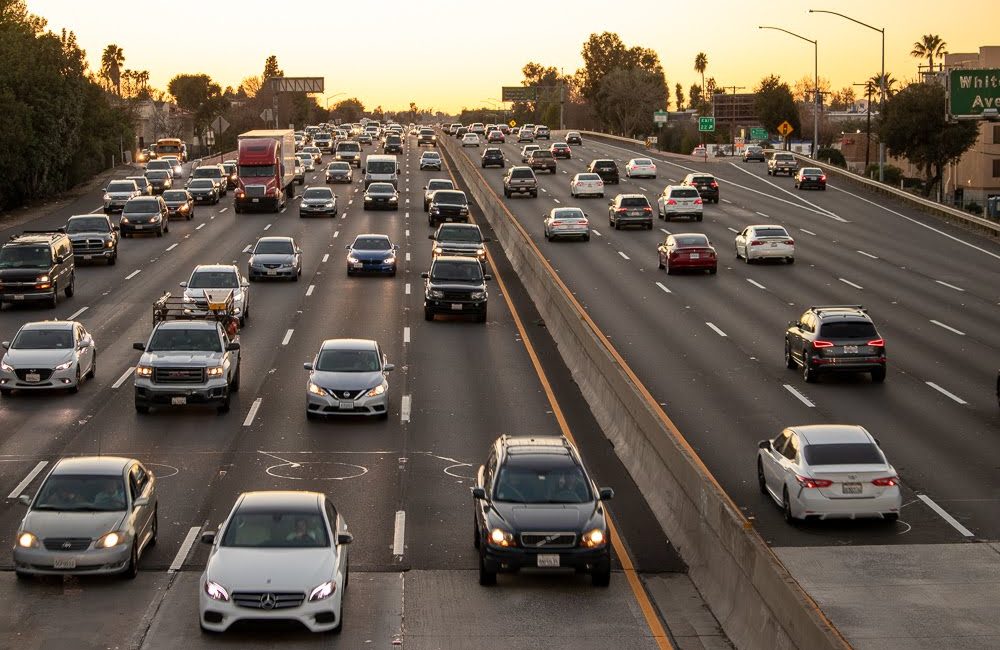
{"points": [[266, 161]]}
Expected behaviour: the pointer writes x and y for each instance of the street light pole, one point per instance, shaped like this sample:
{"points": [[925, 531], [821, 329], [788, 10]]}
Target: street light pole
{"points": [[815, 142], [881, 84]]}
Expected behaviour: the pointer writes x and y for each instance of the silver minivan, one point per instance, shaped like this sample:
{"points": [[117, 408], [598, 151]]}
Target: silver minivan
{"points": [[380, 168]]}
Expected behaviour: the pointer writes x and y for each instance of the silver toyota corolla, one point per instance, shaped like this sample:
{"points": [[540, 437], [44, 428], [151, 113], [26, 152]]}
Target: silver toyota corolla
{"points": [[348, 377], [48, 355], [92, 515]]}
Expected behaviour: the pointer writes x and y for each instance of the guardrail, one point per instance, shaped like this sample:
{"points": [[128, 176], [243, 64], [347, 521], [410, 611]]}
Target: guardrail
{"points": [[757, 602]]}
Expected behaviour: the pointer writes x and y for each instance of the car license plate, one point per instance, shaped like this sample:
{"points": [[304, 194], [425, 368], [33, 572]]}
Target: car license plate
{"points": [[635, 213], [272, 272], [32, 376], [456, 306], [347, 405], [850, 349], [255, 201], [774, 244], [64, 563], [852, 488], [696, 256], [548, 560], [88, 257], [18, 296], [178, 401], [359, 265]]}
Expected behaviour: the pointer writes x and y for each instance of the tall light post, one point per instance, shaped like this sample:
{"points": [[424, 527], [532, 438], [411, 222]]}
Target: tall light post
{"points": [[815, 44], [329, 97], [881, 84]]}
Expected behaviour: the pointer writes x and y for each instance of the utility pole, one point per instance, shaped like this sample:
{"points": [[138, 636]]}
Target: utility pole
{"points": [[868, 127], [732, 121]]}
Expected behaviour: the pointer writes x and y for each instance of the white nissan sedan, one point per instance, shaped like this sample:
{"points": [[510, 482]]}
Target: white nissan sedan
{"points": [[278, 556], [640, 168], [586, 184], [828, 471], [765, 242]]}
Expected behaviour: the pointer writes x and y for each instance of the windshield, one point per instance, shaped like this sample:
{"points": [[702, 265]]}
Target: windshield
{"points": [[371, 244], [348, 361], [381, 167], [318, 193], [61, 339], [692, 240], [184, 340], [213, 280], [274, 248], [561, 484], [157, 174], [276, 530], [459, 234], [571, 213], [854, 453], [256, 171], [168, 148], [857, 329], [381, 188], [201, 184], [457, 271], [207, 172], [175, 195], [433, 156], [88, 224], [349, 147], [339, 167], [450, 198], [141, 207], [122, 186], [86, 493], [440, 185], [158, 164], [25, 257]]}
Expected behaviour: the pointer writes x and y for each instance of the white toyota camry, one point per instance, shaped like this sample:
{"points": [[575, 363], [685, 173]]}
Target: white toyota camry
{"points": [[278, 556]]}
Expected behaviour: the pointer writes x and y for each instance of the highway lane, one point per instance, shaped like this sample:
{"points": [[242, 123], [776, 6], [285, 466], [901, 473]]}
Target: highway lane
{"points": [[466, 384], [673, 340]]}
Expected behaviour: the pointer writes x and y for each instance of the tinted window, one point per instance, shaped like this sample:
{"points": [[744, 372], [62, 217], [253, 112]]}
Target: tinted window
{"points": [[691, 240], [685, 193], [541, 153], [88, 224], [84, 493], [522, 173], [178, 340], [428, 155], [348, 146], [450, 198], [256, 171], [157, 174], [371, 244], [861, 453], [339, 166], [568, 213], [564, 483], [121, 186], [459, 234], [214, 280], [23, 257], [588, 177], [381, 167], [276, 530], [642, 161], [318, 193], [141, 207], [848, 330], [634, 202], [770, 232], [457, 271], [439, 185], [702, 179], [207, 172], [273, 247], [61, 339], [201, 184], [381, 188], [348, 361]]}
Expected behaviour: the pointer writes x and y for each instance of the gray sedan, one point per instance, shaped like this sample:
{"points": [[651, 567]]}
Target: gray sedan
{"points": [[348, 377], [275, 257], [48, 355], [92, 515]]}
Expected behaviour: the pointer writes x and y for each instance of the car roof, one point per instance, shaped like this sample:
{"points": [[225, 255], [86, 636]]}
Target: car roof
{"points": [[90, 216], [631, 196], [188, 325], [270, 500], [843, 312], [463, 226], [536, 445], [830, 434], [100, 465], [48, 325], [462, 259], [275, 238], [348, 344], [372, 235]]}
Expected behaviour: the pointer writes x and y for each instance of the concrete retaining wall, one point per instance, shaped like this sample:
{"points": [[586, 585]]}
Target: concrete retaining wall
{"points": [[750, 592]]}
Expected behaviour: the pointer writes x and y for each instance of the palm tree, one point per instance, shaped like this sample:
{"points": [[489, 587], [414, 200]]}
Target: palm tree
{"points": [[700, 63], [928, 47], [111, 65], [876, 86]]}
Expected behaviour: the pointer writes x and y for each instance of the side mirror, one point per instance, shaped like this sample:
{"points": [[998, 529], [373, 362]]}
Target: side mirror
{"points": [[395, 247], [307, 366], [141, 501], [431, 237], [348, 247], [425, 275], [233, 346], [486, 240], [24, 500], [487, 277], [478, 493], [389, 367], [141, 347], [764, 444], [208, 537], [611, 202], [344, 538], [183, 284], [606, 494], [115, 228], [298, 251], [6, 345]]}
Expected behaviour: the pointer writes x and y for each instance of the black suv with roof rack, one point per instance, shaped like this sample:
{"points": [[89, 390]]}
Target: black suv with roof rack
{"points": [[35, 266], [835, 338], [535, 506]]}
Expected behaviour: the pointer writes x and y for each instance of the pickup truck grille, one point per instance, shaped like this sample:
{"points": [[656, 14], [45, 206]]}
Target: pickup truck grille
{"points": [[178, 375], [84, 246], [255, 190]]}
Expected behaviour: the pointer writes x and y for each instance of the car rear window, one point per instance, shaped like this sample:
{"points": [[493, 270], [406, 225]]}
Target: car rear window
{"points": [[541, 153], [770, 232], [691, 240], [588, 177], [522, 173], [702, 179], [450, 198], [684, 193], [854, 453], [848, 330], [634, 202], [439, 185], [605, 164]]}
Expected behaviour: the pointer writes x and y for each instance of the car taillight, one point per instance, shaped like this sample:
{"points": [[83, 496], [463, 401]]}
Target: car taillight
{"points": [[823, 177], [671, 202], [647, 209], [714, 184], [822, 344], [888, 481], [756, 243], [789, 242], [622, 210], [877, 343], [807, 482], [697, 201]]}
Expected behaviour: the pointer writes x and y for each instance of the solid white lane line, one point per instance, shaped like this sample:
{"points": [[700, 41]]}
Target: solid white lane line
{"points": [[407, 257], [944, 284], [799, 396], [404, 409], [874, 257], [202, 225], [267, 227], [16, 492], [965, 532], [755, 283], [661, 285], [133, 274], [763, 215], [224, 209], [406, 335], [950, 329], [726, 201], [733, 230], [399, 533], [822, 211], [946, 393], [253, 412], [173, 246], [596, 232], [716, 329], [556, 200], [407, 289], [808, 232], [309, 291], [848, 282], [623, 255], [121, 380], [185, 548], [664, 231], [75, 314], [336, 233], [288, 337]]}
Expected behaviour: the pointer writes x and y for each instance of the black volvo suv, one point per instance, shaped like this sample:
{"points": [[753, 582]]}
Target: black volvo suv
{"points": [[835, 338], [455, 285], [535, 506]]}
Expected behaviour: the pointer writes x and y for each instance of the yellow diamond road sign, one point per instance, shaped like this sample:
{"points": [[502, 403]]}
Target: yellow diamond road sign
{"points": [[785, 128], [512, 124]]}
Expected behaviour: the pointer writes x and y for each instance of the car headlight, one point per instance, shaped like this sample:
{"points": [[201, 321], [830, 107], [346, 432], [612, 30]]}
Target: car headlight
{"points": [[435, 210], [389, 260], [328, 204], [27, 540], [124, 220], [64, 366], [107, 198], [478, 295], [42, 278], [316, 390], [109, 244], [435, 293], [352, 260], [500, 537], [214, 371], [593, 538], [216, 591], [464, 211], [109, 540], [481, 252], [375, 392], [5, 367], [438, 250], [323, 591], [143, 371]]}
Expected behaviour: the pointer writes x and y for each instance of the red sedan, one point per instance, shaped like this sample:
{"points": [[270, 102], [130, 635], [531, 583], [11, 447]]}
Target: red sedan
{"points": [[561, 150], [496, 136], [690, 250]]}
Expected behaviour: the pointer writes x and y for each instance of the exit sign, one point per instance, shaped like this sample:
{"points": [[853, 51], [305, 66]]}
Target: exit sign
{"points": [[706, 123]]}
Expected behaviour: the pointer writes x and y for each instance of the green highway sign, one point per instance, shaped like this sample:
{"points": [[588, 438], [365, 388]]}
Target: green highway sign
{"points": [[706, 123], [518, 93], [660, 117], [758, 134], [973, 91]]}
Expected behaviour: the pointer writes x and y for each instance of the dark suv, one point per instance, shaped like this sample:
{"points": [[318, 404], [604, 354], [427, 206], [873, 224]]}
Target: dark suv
{"points": [[448, 205], [426, 136], [493, 156], [459, 239], [835, 338], [630, 210], [542, 159], [707, 186], [606, 169], [455, 285], [535, 506], [393, 144], [145, 214], [35, 266]]}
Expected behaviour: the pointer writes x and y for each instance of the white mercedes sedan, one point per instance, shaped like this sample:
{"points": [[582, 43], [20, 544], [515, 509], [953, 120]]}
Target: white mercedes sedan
{"points": [[278, 556]]}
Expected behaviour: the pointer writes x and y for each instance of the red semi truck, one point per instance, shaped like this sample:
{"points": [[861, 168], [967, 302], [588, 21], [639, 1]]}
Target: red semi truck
{"points": [[266, 160]]}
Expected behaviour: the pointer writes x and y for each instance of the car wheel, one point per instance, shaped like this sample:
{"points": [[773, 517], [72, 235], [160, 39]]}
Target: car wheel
{"points": [[159, 233], [142, 410], [75, 388], [132, 570], [475, 535], [790, 260], [890, 517], [6, 392], [154, 528], [113, 259], [761, 481], [786, 507], [808, 372], [659, 263], [790, 362], [234, 385], [295, 277], [481, 318], [670, 271], [586, 238], [428, 314], [487, 578], [224, 407], [93, 369], [21, 575], [878, 375], [713, 270]]}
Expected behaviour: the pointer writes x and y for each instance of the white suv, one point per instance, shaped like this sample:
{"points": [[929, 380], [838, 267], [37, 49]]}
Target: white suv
{"points": [[679, 201]]}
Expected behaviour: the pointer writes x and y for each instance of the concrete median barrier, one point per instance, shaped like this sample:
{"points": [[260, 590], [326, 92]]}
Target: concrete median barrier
{"points": [[758, 603]]}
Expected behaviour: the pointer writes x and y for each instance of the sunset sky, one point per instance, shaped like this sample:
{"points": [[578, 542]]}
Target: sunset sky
{"points": [[449, 54]]}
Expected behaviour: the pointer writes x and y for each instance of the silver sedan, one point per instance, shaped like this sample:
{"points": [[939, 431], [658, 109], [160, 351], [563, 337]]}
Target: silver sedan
{"points": [[567, 222], [348, 377], [48, 355], [275, 257]]}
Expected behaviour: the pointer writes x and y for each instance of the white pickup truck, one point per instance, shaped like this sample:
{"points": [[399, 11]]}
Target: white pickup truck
{"points": [[782, 162]]}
